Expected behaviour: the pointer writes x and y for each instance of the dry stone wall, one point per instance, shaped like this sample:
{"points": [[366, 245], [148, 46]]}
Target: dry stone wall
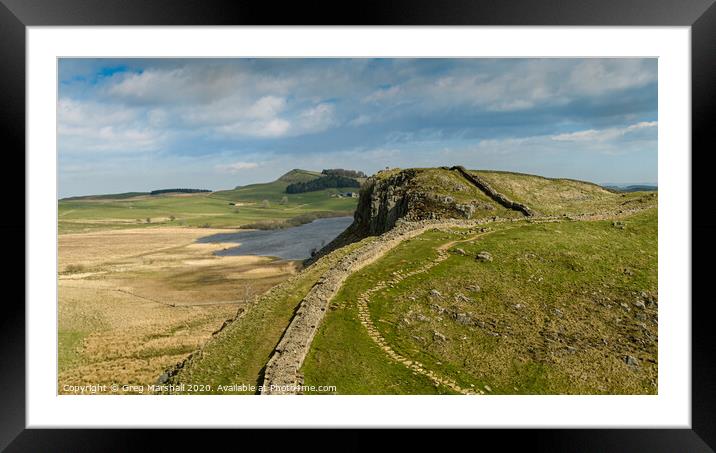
{"points": [[282, 371], [481, 184]]}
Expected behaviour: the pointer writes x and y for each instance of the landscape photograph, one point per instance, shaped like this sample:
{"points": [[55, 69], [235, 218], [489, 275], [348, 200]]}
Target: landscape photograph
{"points": [[357, 226]]}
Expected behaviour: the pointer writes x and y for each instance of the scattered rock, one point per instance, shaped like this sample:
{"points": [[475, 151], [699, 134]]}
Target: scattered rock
{"points": [[422, 318], [460, 251], [639, 304], [463, 318], [518, 306], [473, 288], [631, 361], [437, 308], [488, 388], [435, 293], [459, 297], [484, 256], [438, 336]]}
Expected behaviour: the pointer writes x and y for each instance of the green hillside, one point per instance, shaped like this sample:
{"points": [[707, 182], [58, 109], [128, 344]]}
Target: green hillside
{"points": [[263, 205], [555, 196], [559, 310], [563, 301]]}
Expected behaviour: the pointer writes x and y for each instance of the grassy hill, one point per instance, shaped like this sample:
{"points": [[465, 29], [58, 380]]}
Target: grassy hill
{"points": [[109, 196], [564, 301], [563, 307], [554, 196], [262, 205]]}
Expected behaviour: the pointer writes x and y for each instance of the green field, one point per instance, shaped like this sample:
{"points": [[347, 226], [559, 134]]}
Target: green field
{"points": [[238, 353], [557, 311], [564, 303], [260, 204]]}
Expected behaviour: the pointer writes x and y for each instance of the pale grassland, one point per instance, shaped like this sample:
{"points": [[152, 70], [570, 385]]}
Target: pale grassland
{"points": [[134, 302]]}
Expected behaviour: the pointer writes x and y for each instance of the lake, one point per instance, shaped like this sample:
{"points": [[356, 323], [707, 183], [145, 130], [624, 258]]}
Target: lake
{"points": [[293, 243]]}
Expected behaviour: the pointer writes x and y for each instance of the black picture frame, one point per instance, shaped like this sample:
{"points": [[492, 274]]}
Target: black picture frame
{"points": [[700, 15]]}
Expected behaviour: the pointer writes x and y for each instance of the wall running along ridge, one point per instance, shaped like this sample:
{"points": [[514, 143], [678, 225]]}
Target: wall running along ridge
{"points": [[277, 370], [282, 375], [385, 201], [492, 193]]}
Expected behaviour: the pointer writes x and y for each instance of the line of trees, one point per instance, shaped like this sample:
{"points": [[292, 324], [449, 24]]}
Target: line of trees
{"points": [[343, 172], [324, 182], [161, 191]]}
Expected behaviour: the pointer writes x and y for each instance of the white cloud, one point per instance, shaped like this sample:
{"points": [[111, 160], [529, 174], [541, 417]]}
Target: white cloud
{"points": [[595, 77], [96, 127], [361, 120], [603, 134], [180, 108], [383, 94], [236, 167], [317, 118], [256, 128]]}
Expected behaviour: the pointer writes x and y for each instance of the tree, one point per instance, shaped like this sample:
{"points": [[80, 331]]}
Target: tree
{"points": [[266, 204], [343, 172], [284, 200], [324, 182]]}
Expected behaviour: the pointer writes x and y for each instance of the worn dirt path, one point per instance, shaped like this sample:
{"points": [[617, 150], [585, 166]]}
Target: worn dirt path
{"points": [[282, 374], [282, 370], [374, 333]]}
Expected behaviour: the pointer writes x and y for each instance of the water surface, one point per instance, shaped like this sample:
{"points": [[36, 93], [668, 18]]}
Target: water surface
{"points": [[293, 243]]}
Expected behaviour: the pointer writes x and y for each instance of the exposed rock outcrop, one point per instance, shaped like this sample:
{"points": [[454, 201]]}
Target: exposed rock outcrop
{"points": [[406, 194]]}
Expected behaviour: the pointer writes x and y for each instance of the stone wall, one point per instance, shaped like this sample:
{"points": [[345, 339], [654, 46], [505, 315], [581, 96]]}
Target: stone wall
{"points": [[481, 184], [282, 370]]}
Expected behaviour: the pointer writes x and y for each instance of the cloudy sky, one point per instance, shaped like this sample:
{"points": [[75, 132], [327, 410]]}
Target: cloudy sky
{"points": [[144, 124]]}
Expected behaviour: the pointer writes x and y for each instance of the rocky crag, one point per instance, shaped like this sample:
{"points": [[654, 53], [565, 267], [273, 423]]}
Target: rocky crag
{"points": [[392, 195]]}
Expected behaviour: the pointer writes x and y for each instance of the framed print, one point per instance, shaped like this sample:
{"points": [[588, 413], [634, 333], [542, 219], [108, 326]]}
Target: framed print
{"points": [[483, 220]]}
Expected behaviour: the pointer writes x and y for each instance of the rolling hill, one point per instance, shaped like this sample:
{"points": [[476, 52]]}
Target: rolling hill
{"points": [[263, 205], [458, 281]]}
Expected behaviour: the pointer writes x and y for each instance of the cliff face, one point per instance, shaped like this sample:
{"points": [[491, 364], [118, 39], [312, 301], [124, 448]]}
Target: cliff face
{"points": [[416, 194], [382, 202]]}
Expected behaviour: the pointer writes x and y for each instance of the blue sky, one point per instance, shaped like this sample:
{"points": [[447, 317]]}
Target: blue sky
{"points": [[144, 124]]}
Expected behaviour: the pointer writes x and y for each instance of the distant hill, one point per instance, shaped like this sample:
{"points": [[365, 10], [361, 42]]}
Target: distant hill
{"points": [[633, 188], [275, 191], [163, 191], [261, 206], [126, 195], [109, 196], [298, 175]]}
